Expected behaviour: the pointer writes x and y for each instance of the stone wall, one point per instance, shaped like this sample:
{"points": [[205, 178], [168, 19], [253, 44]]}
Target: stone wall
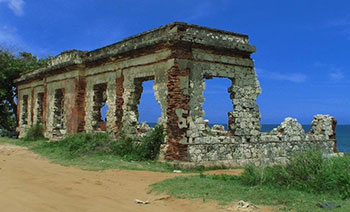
{"points": [[267, 148], [178, 57]]}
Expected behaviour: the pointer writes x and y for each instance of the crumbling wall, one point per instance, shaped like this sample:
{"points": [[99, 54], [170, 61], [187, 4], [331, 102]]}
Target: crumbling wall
{"points": [[67, 96], [132, 85], [108, 81], [25, 115], [39, 105], [267, 148], [59, 118], [58, 124], [244, 119]]}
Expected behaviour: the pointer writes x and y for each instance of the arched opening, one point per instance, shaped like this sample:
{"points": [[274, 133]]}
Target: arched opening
{"points": [[149, 109], [217, 102]]}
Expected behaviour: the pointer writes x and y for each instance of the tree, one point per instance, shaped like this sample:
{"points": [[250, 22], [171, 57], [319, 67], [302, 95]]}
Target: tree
{"points": [[11, 66]]}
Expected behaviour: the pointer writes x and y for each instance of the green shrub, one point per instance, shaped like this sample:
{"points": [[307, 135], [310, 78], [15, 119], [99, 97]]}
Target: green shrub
{"points": [[82, 144], [146, 149], [149, 147], [36, 132], [85, 144], [307, 171], [252, 175]]}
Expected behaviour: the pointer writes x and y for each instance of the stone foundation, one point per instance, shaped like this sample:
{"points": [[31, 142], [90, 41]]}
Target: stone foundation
{"points": [[67, 95]]}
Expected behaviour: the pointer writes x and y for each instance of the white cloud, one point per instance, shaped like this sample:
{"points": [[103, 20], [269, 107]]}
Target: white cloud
{"points": [[11, 40], [338, 23], [9, 37], [336, 75], [291, 77], [341, 26], [334, 72], [15, 5]]}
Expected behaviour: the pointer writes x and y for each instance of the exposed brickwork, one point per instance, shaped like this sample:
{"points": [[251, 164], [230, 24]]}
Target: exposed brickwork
{"points": [[19, 111], [45, 106], [32, 108], [80, 103], [119, 102], [176, 100], [178, 57]]}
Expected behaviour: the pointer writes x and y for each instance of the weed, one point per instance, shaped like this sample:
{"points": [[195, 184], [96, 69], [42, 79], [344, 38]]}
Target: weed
{"points": [[36, 132]]}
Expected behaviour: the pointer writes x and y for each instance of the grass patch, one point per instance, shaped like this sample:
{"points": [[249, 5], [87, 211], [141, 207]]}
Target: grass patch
{"points": [[98, 161], [98, 152], [309, 172], [225, 188], [307, 179]]}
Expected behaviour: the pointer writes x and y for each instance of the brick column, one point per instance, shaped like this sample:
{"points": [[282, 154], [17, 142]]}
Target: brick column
{"points": [[119, 101], [177, 112], [80, 103]]}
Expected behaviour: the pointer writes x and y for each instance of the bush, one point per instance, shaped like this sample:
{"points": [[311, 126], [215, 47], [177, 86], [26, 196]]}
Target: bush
{"points": [[146, 149], [308, 171], [149, 147], [82, 144], [252, 175], [36, 132]]}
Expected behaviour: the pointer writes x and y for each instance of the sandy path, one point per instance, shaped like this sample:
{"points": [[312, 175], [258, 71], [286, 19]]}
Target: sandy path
{"points": [[30, 183]]}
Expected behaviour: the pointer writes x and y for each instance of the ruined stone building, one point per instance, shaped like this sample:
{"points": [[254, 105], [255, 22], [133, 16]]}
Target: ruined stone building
{"points": [[66, 96]]}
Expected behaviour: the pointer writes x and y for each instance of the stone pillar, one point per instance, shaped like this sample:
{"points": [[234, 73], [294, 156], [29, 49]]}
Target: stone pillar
{"points": [[132, 94], [195, 121], [160, 93], [323, 127], [244, 121]]}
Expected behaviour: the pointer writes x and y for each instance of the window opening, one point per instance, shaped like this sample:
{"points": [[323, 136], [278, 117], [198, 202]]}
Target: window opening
{"points": [[24, 117], [40, 107], [100, 107], [217, 102], [149, 109], [59, 109]]}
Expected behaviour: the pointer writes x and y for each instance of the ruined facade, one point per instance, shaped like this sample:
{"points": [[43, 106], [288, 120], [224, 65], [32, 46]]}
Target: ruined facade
{"points": [[67, 95]]}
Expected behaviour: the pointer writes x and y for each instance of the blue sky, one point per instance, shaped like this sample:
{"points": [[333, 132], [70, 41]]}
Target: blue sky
{"points": [[302, 57]]}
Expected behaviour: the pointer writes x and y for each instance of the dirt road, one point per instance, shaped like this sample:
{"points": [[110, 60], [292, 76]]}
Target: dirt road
{"points": [[30, 183]]}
